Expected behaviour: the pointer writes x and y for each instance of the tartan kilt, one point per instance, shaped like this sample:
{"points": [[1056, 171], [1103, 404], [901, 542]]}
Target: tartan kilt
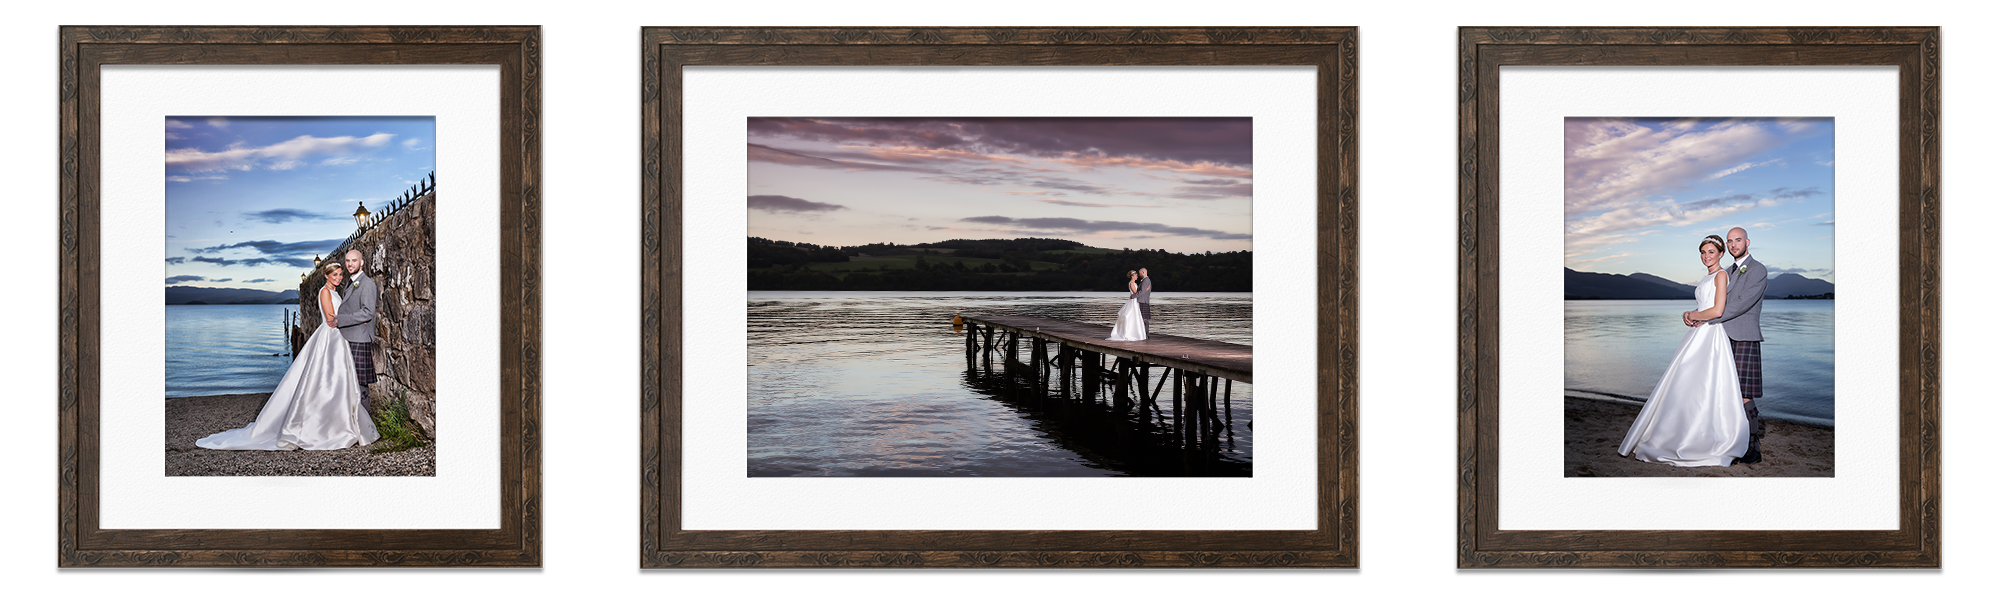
{"points": [[364, 361], [1749, 367]]}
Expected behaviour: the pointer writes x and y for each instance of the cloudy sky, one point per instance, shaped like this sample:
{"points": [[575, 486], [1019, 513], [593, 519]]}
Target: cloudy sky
{"points": [[1182, 184], [250, 200], [1640, 193]]}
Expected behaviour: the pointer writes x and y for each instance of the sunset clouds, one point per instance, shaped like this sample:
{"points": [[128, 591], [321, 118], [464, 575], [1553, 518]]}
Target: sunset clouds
{"points": [[906, 179], [1639, 193]]}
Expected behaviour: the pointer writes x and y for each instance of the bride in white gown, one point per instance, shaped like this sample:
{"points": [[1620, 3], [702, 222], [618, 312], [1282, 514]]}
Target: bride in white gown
{"points": [[1695, 416], [318, 404], [1131, 324]]}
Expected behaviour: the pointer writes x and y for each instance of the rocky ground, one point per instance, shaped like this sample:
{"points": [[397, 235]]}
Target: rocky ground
{"points": [[190, 419]]}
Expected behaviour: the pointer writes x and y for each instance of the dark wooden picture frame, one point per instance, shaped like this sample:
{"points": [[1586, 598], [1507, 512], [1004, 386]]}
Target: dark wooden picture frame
{"points": [[665, 544], [1482, 51], [517, 52]]}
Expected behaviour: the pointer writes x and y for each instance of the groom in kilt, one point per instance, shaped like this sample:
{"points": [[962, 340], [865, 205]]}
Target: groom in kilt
{"points": [[356, 321], [1744, 307]]}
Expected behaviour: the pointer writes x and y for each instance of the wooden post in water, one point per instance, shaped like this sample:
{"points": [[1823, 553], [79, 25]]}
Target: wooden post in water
{"points": [[1144, 399], [1178, 421], [1065, 356], [1090, 376], [1228, 416], [1041, 369], [1123, 390], [1214, 416], [1201, 407]]}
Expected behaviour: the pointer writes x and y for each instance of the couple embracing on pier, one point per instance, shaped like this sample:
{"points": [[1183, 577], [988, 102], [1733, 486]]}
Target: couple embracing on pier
{"points": [[1137, 313]]}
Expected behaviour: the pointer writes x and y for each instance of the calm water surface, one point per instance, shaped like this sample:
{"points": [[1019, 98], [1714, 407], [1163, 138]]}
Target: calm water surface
{"points": [[876, 384], [226, 349], [1619, 348]]}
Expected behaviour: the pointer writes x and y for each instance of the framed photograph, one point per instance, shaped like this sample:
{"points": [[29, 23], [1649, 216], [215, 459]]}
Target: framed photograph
{"points": [[1693, 392], [299, 291], [986, 300]]}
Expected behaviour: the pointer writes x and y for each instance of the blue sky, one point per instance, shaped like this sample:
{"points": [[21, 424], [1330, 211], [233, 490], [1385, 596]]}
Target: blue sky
{"points": [[1178, 183], [251, 200], [1640, 193]]}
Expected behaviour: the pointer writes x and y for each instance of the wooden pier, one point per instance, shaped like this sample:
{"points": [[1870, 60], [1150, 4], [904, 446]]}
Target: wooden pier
{"points": [[1073, 362]]}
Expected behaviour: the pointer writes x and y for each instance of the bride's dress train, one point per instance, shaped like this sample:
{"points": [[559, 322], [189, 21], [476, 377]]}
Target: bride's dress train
{"points": [[1130, 325], [316, 407], [1695, 416]]}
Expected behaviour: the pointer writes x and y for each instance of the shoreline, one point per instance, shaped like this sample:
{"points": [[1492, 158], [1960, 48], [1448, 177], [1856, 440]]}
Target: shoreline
{"points": [[194, 417], [1593, 428]]}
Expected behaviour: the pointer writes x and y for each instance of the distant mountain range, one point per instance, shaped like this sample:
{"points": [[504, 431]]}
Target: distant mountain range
{"points": [[1580, 285], [183, 294]]}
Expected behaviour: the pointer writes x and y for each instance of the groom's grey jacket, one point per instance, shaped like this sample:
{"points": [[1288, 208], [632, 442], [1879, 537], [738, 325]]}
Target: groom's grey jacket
{"points": [[357, 310], [1744, 304], [1145, 293]]}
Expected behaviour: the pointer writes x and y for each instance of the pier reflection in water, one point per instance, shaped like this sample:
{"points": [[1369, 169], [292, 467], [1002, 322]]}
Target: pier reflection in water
{"points": [[1144, 442], [877, 385]]}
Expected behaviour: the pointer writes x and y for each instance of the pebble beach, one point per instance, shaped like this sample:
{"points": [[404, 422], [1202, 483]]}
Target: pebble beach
{"points": [[190, 419]]}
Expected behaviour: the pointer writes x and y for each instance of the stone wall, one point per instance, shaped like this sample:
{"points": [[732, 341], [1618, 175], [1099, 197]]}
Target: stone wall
{"points": [[400, 250]]}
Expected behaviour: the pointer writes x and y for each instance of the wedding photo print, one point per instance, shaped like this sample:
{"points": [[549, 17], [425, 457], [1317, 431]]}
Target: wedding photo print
{"points": [[1698, 297], [301, 269], [1000, 297]]}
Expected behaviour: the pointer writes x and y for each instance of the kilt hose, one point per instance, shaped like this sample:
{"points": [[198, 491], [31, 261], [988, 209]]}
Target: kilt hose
{"points": [[1750, 380]]}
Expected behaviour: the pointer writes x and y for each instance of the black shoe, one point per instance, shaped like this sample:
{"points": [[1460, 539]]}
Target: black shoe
{"points": [[1749, 458]]}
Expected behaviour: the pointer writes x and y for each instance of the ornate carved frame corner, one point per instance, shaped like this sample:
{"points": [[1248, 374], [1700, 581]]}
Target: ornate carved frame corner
{"points": [[518, 540], [1482, 51], [663, 541]]}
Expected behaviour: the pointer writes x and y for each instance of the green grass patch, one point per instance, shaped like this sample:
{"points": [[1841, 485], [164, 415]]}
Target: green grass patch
{"points": [[398, 431]]}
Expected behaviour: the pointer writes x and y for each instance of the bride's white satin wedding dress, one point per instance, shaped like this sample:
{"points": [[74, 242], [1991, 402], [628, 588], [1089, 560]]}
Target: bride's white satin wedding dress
{"points": [[316, 407], [1695, 415], [1131, 324]]}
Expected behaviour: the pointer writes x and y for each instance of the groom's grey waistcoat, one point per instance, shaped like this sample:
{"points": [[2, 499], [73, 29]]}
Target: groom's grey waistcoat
{"points": [[1145, 293], [357, 310], [1743, 306]]}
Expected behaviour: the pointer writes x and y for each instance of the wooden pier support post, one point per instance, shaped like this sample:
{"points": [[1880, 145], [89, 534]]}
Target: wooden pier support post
{"points": [[1090, 368], [1228, 416], [1179, 423], [1201, 409], [1144, 400], [1042, 378], [1123, 391], [1065, 358], [1215, 401]]}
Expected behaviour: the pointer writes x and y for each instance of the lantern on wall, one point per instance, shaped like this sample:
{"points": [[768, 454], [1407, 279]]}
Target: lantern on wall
{"points": [[360, 215]]}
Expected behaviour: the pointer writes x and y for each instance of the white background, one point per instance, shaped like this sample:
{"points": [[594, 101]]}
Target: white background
{"points": [[1533, 492], [1409, 187], [136, 493], [1279, 101]]}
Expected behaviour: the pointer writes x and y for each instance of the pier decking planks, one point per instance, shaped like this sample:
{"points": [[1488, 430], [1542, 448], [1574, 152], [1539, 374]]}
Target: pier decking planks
{"points": [[1207, 357]]}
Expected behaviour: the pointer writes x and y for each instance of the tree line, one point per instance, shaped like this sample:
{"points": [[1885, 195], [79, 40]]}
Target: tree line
{"points": [[1001, 265]]}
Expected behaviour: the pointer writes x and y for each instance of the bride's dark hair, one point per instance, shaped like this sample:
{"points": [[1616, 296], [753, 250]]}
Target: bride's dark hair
{"points": [[1712, 239]]}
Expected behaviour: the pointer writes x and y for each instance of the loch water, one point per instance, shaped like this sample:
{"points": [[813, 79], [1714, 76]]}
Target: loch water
{"points": [[877, 384], [1618, 349]]}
